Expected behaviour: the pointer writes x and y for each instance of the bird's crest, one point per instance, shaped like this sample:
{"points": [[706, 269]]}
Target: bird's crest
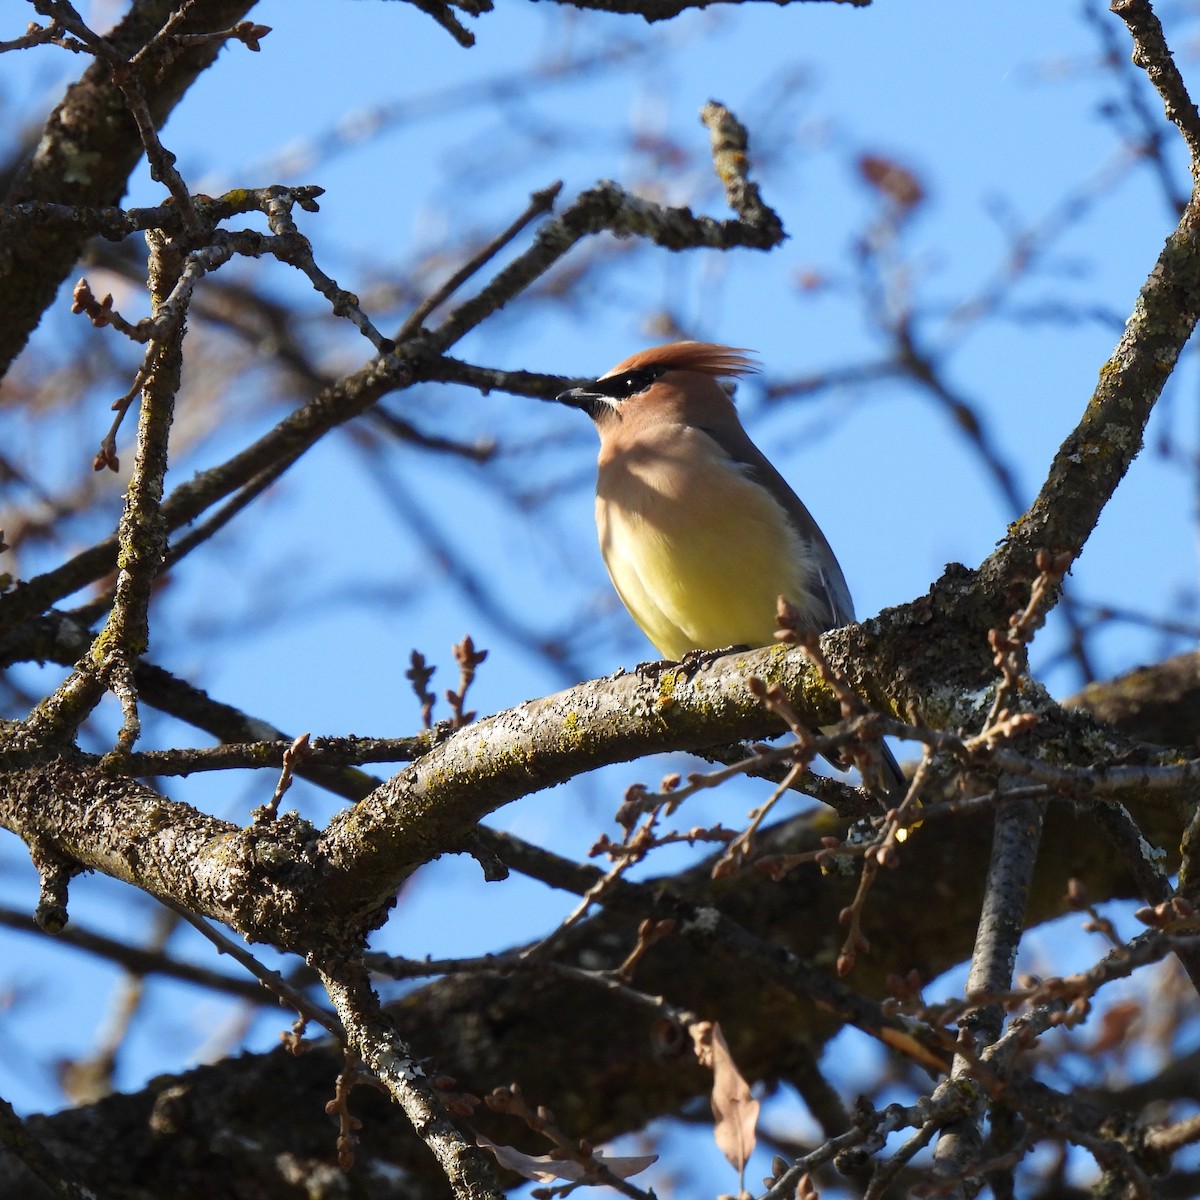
{"points": [[708, 357]]}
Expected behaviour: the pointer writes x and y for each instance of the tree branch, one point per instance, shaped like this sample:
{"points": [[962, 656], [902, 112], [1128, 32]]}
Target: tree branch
{"points": [[88, 147]]}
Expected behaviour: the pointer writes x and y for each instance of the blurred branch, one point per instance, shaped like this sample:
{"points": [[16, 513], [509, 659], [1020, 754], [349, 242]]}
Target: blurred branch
{"points": [[1158, 703], [915, 363], [46, 1166], [89, 1077], [484, 598], [664, 10], [140, 961]]}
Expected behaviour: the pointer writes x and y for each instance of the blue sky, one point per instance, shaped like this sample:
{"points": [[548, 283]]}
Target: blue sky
{"points": [[1000, 110]]}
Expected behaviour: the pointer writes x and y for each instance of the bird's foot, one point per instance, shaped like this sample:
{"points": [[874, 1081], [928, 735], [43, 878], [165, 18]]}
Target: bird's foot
{"points": [[696, 660], [654, 667], [692, 662]]}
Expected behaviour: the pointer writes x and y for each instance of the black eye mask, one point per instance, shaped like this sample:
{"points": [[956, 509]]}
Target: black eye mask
{"points": [[627, 384]]}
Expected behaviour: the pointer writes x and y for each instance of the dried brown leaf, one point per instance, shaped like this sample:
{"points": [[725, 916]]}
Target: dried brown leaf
{"points": [[735, 1111]]}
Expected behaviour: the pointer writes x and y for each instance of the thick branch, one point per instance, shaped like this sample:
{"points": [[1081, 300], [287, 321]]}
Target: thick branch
{"points": [[285, 883]]}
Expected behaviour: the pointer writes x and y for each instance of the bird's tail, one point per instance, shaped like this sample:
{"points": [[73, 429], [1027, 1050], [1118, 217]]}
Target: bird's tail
{"points": [[894, 781]]}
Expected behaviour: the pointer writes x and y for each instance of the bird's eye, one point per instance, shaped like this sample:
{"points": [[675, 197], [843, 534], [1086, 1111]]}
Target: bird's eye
{"points": [[620, 387]]}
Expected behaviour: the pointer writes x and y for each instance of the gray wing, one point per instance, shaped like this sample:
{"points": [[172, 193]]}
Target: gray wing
{"points": [[737, 444]]}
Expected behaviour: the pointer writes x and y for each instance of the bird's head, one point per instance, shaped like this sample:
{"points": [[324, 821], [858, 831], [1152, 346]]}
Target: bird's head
{"points": [[669, 377]]}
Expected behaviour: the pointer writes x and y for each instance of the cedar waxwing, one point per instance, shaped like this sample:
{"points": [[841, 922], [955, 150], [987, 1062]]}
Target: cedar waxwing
{"points": [[700, 534]]}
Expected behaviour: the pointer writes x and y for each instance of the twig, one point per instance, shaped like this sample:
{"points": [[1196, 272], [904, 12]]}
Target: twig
{"points": [[271, 980], [1010, 651], [730, 155], [1153, 55], [295, 754], [605, 207], [710, 930], [511, 1101], [1061, 1001], [125, 76], [743, 845], [539, 202], [1151, 879], [468, 659], [1169, 1139], [290, 246], [419, 674], [142, 535], [869, 1135], [42, 35], [443, 14]]}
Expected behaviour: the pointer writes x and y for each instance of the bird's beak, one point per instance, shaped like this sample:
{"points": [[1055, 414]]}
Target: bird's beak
{"points": [[580, 397], [576, 398]]}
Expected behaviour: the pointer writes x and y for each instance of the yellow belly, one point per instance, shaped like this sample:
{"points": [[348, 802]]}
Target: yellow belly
{"points": [[699, 555]]}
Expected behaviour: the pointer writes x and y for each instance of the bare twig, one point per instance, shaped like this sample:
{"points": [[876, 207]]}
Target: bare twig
{"points": [[295, 754], [540, 202], [142, 535], [1153, 55], [271, 980]]}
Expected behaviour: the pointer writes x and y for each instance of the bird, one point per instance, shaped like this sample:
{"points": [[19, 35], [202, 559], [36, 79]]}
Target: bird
{"points": [[701, 535]]}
